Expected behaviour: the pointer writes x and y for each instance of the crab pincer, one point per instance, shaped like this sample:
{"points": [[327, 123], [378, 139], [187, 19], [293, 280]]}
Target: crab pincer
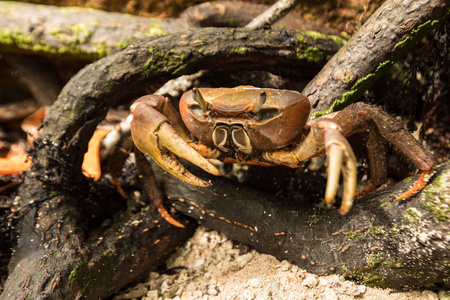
{"points": [[157, 132], [340, 159]]}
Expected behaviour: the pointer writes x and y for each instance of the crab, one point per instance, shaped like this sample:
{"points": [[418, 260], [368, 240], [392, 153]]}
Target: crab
{"points": [[269, 127]]}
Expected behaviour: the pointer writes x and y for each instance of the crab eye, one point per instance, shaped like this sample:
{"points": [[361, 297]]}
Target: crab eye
{"points": [[197, 96], [262, 97]]}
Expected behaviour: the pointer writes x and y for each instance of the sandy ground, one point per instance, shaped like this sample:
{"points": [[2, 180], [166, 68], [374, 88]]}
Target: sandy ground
{"points": [[210, 266]]}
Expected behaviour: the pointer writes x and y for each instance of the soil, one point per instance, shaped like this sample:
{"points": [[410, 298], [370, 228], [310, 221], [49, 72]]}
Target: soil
{"points": [[210, 266]]}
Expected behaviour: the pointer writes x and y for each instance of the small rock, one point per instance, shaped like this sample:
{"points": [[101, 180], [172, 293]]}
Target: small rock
{"points": [[362, 288], [199, 262], [211, 290], [248, 295], [152, 295], [310, 281], [242, 260], [285, 265], [154, 275], [444, 295], [429, 295], [330, 294], [191, 295]]}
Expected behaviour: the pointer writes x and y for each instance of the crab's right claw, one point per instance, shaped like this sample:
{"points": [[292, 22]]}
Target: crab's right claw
{"points": [[340, 159], [154, 135]]}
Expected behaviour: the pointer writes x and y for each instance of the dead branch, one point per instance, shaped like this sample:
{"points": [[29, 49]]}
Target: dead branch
{"points": [[386, 36], [272, 14], [87, 34]]}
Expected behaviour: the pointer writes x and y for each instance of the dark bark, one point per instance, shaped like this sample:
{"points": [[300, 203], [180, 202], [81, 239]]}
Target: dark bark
{"points": [[38, 74], [380, 242], [59, 255], [386, 36], [87, 34]]}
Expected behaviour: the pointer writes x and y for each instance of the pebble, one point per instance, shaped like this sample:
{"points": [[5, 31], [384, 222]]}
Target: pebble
{"points": [[285, 265], [248, 295], [242, 260], [310, 281], [429, 295], [444, 295], [330, 294], [152, 295], [362, 288], [211, 290]]}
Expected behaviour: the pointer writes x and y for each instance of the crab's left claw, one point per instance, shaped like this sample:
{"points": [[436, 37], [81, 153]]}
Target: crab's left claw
{"points": [[154, 135], [340, 159]]}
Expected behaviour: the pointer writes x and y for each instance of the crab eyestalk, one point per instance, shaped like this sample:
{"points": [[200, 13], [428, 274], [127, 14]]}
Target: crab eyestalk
{"points": [[199, 98], [262, 97]]}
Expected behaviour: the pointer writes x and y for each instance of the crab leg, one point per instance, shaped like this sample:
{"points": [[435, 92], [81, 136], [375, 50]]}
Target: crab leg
{"points": [[340, 159], [325, 134], [154, 135]]}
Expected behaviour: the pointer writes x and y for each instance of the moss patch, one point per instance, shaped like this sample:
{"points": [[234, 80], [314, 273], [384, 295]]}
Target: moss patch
{"points": [[239, 50], [356, 91], [172, 61], [436, 197]]}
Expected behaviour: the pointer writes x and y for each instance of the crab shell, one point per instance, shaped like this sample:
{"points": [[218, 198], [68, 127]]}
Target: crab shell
{"points": [[230, 122]]}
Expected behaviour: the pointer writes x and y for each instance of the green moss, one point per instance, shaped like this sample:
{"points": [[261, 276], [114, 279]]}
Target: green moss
{"points": [[24, 41], [317, 35], [91, 278], [171, 61], [74, 275], [412, 215], [312, 54], [373, 273], [386, 206], [407, 179], [356, 91], [364, 83], [123, 44], [378, 230], [107, 86], [300, 38], [353, 236], [436, 197], [155, 29], [101, 49], [239, 50], [416, 35]]}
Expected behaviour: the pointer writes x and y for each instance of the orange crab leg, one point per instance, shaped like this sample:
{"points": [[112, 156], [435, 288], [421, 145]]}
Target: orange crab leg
{"points": [[151, 188], [91, 162], [418, 185]]}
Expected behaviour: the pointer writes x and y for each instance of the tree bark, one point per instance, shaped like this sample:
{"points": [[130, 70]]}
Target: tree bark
{"points": [[387, 35], [380, 242], [87, 34]]}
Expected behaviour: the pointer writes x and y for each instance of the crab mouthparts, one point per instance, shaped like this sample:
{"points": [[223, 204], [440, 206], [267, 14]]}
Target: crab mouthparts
{"points": [[228, 137]]}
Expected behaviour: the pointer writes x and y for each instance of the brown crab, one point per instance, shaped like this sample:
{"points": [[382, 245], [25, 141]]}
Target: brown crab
{"points": [[269, 127]]}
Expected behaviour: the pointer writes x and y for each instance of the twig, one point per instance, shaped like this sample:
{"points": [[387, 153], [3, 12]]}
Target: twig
{"points": [[272, 14]]}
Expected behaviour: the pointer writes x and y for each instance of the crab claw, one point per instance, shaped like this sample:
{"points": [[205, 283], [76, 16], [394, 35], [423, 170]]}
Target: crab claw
{"points": [[154, 135], [340, 159]]}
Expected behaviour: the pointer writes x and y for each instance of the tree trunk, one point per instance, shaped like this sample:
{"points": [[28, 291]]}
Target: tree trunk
{"points": [[380, 242]]}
